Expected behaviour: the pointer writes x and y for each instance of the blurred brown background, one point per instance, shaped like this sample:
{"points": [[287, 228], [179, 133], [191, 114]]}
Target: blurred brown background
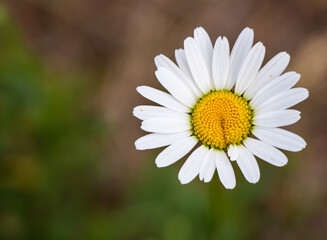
{"points": [[93, 54]]}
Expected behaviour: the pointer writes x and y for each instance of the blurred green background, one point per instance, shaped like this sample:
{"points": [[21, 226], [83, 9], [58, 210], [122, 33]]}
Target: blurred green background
{"points": [[68, 166]]}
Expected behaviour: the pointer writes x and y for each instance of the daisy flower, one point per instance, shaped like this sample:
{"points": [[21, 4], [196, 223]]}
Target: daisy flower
{"points": [[224, 103]]}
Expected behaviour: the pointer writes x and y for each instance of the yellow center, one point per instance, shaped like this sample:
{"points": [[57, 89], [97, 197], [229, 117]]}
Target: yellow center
{"points": [[221, 118]]}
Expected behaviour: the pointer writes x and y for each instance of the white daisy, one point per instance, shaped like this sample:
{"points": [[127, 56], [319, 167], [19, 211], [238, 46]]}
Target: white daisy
{"points": [[224, 102]]}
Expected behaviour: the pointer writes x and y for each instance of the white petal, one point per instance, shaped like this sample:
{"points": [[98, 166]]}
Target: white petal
{"points": [[266, 152], [144, 112], [250, 67], [175, 86], [183, 65], [225, 170], [203, 41], [274, 87], [283, 100], [175, 151], [271, 70], [165, 125], [277, 118], [280, 138], [191, 167], [198, 67], [248, 165], [162, 98], [164, 62], [240, 50], [157, 140], [208, 166], [182, 62], [232, 152], [220, 63]]}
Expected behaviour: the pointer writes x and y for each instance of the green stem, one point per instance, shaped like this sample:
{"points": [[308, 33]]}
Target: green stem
{"points": [[214, 204]]}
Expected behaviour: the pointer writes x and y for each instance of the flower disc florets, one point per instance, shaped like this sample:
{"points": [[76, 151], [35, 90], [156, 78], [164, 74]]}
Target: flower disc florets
{"points": [[221, 118]]}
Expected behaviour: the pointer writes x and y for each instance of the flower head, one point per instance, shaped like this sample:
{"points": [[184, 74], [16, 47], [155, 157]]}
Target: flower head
{"points": [[226, 104]]}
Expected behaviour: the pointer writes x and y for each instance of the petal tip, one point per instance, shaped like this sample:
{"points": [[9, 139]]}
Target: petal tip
{"points": [[140, 89], [248, 29], [230, 187], [137, 146], [183, 182]]}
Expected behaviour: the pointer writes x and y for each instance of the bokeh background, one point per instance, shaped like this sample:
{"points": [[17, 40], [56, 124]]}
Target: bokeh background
{"points": [[68, 166]]}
